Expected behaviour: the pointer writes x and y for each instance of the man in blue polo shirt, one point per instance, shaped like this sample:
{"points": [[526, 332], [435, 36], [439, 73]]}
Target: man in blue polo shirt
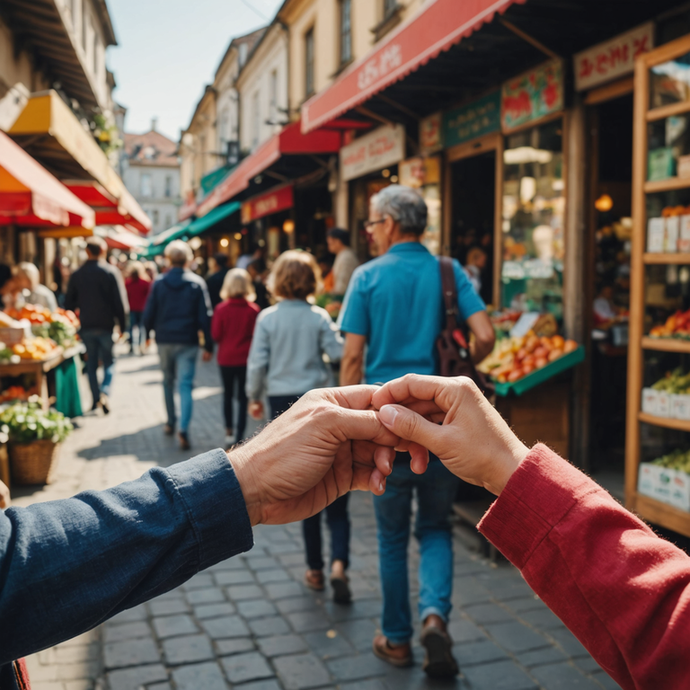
{"points": [[393, 309]]}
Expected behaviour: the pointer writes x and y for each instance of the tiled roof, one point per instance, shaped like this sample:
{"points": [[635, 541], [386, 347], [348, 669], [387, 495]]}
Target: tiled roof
{"points": [[151, 148]]}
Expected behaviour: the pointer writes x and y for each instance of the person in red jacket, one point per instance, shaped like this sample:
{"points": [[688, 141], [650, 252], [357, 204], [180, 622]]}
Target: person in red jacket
{"points": [[232, 329], [138, 287], [622, 591]]}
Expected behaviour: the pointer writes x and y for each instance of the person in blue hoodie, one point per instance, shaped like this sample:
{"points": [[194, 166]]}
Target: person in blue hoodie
{"points": [[177, 309]]}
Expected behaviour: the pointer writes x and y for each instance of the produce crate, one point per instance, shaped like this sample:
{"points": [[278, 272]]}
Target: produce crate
{"points": [[540, 375]]}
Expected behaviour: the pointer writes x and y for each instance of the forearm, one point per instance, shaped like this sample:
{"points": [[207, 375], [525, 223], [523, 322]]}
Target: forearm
{"points": [[351, 369], [67, 566], [621, 590]]}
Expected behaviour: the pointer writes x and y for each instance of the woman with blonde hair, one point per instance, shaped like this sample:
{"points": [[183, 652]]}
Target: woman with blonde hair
{"points": [[285, 361], [138, 286], [232, 329]]}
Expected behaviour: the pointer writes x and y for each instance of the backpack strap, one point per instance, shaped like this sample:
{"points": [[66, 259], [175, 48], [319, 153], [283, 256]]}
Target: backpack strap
{"points": [[450, 293]]}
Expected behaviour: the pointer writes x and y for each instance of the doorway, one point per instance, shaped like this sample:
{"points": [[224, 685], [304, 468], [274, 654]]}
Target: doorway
{"points": [[472, 219], [608, 285]]}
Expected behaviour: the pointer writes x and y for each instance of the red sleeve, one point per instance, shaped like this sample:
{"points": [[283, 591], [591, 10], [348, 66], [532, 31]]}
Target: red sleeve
{"points": [[217, 324], [623, 592]]}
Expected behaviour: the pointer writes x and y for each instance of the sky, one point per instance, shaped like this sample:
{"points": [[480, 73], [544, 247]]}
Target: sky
{"points": [[168, 50]]}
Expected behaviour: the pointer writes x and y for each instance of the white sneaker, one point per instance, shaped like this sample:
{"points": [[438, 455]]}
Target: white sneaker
{"points": [[229, 441]]}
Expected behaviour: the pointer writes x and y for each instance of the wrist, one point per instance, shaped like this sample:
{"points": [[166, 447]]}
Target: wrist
{"points": [[241, 463], [504, 466]]}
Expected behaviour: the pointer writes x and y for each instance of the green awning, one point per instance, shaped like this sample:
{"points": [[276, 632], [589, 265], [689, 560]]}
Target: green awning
{"points": [[210, 181], [173, 233], [211, 218]]}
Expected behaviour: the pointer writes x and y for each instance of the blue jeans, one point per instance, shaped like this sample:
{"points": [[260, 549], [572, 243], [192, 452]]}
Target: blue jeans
{"points": [[435, 492], [178, 362], [99, 347], [136, 318]]}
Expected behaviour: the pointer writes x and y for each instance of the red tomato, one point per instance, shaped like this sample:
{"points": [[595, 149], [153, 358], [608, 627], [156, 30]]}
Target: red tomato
{"points": [[515, 375], [541, 362]]}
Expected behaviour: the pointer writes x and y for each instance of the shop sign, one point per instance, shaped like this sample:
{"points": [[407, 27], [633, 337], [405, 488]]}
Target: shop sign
{"points": [[431, 133], [374, 151], [612, 59], [266, 204], [419, 172], [533, 95], [481, 117]]}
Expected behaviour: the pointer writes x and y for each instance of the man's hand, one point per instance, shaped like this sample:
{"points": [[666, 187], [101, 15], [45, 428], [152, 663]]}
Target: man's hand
{"points": [[256, 410], [328, 443], [206, 356], [473, 442]]}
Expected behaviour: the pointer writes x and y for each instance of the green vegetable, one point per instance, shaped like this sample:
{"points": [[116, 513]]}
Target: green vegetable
{"points": [[25, 422], [677, 460]]}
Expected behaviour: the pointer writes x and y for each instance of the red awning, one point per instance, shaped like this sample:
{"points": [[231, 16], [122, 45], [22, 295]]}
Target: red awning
{"points": [[290, 141], [110, 211], [439, 25], [123, 238], [31, 197]]}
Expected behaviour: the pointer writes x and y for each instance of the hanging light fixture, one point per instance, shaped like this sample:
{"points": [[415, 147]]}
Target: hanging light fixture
{"points": [[604, 203]]}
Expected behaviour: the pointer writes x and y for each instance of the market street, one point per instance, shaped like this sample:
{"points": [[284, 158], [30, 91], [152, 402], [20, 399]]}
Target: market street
{"points": [[250, 623]]}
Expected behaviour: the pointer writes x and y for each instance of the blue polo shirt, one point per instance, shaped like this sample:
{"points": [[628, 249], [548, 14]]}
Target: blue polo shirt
{"points": [[396, 302]]}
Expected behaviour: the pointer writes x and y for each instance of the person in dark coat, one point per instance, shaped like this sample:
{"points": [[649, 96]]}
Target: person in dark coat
{"points": [[214, 282], [97, 292], [177, 309]]}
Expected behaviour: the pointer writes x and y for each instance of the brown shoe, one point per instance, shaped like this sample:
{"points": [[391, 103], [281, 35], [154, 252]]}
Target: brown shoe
{"points": [[184, 441], [439, 661], [397, 655], [314, 580]]}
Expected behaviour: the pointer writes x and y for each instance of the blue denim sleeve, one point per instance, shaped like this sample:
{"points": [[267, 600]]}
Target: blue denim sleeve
{"points": [[67, 566]]}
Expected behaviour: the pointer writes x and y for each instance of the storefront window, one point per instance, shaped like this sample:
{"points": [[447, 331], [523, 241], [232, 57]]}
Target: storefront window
{"points": [[533, 219], [670, 82]]}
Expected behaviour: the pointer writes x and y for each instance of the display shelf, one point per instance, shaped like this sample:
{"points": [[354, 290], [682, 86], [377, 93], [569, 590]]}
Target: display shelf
{"points": [[652, 258], [670, 110], [666, 345], [669, 185], [677, 424], [662, 514]]}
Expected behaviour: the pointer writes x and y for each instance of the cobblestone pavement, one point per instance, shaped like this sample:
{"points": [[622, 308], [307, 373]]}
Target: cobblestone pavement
{"points": [[249, 623]]}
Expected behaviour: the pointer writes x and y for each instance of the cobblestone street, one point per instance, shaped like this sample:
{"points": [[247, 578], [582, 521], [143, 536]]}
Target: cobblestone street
{"points": [[249, 622]]}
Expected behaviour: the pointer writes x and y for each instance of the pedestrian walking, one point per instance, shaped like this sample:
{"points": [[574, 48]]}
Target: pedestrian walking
{"points": [[214, 281], [394, 305], [286, 361], [138, 287], [97, 292], [232, 329], [257, 271], [346, 261], [179, 308]]}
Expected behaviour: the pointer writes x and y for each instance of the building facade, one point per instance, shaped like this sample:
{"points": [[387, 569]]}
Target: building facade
{"points": [[151, 173]]}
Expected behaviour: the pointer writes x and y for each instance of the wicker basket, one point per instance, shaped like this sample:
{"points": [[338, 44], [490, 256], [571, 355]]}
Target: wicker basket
{"points": [[35, 462]]}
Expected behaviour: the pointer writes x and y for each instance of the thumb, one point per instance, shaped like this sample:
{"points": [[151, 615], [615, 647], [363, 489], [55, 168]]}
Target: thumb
{"points": [[409, 425]]}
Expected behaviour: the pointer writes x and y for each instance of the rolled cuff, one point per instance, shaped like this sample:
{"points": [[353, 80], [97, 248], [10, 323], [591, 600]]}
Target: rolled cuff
{"points": [[537, 497], [217, 511]]}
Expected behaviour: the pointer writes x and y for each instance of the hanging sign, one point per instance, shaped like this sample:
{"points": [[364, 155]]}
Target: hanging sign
{"points": [[276, 200], [612, 59], [379, 149], [532, 95], [480, 117], [431, 134]]}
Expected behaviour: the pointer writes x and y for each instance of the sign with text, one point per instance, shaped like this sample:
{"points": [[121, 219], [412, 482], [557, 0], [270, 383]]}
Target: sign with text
{"points": [[483, 116], [431, 133], [533, 95], [612, 59], [379, 149], [280, 199]]}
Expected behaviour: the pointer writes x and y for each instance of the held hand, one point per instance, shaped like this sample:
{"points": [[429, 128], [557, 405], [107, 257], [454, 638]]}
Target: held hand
{"points": [[256, 410], [206, 356], [473, 442], [328, 443]]}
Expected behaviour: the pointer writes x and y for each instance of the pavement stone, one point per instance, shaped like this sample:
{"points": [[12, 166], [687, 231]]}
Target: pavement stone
{"points": [[251, 618]]}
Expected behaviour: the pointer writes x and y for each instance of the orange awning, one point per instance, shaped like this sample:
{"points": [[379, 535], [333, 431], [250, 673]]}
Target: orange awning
{"points": [[30, 196], [438, 26], [290, 141]]}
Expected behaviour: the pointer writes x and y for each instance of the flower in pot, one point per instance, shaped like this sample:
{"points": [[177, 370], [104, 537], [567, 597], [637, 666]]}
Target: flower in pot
{"points": [[34, 437]]}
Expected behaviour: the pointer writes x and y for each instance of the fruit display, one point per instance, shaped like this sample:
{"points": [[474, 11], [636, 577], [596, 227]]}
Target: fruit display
{"points": [[677, 326], [60, 326], [675, 382], [514, 358], [14, 393], [34, 349], [677, 460]]}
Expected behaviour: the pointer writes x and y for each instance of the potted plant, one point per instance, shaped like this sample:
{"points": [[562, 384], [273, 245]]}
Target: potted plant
{"points": [[34, 437]]}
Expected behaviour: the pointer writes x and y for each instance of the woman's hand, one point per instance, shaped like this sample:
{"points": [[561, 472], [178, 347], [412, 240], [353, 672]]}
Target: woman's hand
{"points": [[328, 443], [256, 410], [473, 441]]}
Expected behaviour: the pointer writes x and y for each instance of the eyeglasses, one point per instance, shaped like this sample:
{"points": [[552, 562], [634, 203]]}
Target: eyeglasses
{"points": [[369, 224]]}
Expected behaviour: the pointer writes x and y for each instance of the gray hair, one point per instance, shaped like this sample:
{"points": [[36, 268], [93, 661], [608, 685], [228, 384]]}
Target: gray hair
{"points": [[405, 206], [179, 253], [30, 271]]}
